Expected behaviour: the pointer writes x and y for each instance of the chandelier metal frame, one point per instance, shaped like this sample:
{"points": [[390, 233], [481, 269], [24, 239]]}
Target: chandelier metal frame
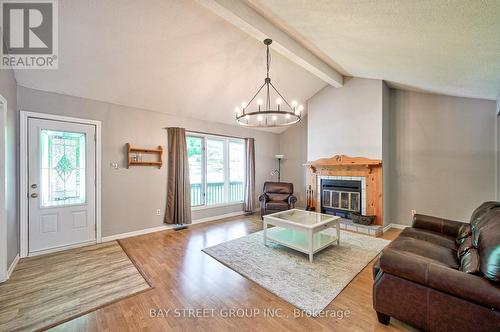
{"points": [[290, 112]]}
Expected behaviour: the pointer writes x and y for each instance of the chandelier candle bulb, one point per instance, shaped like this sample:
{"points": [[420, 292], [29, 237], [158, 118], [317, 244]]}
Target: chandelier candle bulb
{"points": [[259, 103]]}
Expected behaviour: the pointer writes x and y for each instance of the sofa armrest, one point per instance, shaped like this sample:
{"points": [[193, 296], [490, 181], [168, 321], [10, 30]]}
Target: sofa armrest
{"points": [[435, 224], [291, 201], [263, 198], [429, 273]]}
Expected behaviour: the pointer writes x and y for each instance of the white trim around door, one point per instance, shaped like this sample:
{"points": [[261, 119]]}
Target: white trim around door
{"points": [[3, 202], [23, 176]]}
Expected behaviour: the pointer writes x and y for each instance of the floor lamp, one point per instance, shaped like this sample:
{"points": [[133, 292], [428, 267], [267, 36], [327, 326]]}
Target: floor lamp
{"points": [[279, 157]]}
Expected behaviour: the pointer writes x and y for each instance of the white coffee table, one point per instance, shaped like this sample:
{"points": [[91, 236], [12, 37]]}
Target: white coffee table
{"points": [[301, 230]]}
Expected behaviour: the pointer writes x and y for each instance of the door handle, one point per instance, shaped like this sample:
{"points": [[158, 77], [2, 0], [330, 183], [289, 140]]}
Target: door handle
{"points": [[34, 195]]}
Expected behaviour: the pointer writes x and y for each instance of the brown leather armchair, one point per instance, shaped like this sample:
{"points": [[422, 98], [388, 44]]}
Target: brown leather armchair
{"points": [[276, 196]]}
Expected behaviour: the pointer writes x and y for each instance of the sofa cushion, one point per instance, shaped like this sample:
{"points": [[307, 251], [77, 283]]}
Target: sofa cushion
{"points": [[482, 210], [489, 248], [426, 272], [436, 224], [491, 217], [463, 233], [464, 247], [272, 205], [469, 262], [430, 236], [427, 250], [278, 197]]}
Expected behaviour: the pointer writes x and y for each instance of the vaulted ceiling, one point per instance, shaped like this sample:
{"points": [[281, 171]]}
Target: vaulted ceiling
{"points": [[448, 47], [175, 57], [179, 57]]}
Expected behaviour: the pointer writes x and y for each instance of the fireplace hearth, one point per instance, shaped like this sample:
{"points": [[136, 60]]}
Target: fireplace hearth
{"points": [[341, 197]]}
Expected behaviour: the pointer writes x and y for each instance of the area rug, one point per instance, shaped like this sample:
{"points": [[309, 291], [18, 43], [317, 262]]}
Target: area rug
{"points": [[50, 289], [289, 274]]}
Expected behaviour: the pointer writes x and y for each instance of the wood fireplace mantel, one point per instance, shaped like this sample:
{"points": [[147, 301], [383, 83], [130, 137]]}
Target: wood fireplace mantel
{"points": [[342, 160], [346, 166]]}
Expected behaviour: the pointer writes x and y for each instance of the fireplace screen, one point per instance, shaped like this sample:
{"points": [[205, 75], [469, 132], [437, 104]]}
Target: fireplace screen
{"points": [[343, 200]]}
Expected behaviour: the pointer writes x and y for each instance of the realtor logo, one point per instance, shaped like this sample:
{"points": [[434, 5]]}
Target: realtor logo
{"points": [[29, 34]]}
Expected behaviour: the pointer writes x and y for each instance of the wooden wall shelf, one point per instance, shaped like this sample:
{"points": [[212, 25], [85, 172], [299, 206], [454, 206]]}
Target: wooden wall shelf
{"points": [[131, 151]]}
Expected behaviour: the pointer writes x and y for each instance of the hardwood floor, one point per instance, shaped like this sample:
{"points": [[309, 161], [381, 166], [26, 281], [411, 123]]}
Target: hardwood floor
{"points": [[45, 290], [184, 277]]}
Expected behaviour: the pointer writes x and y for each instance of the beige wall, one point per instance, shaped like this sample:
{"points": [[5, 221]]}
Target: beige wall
{"points": [[386, 155], [498, 157], [8, 91], [293, 145], [130, 197], [442, 155], [346, 120]]}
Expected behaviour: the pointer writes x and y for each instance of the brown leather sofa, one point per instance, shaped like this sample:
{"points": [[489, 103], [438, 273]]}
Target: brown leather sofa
{"points": [[442, 275], [276, 196]]}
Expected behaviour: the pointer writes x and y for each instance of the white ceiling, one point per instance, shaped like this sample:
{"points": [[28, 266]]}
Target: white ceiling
{"points": [[449, 47], [175, 57]]}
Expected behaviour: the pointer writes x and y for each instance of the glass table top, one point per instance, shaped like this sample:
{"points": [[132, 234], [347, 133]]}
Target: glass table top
{"points": [[307, 218]]}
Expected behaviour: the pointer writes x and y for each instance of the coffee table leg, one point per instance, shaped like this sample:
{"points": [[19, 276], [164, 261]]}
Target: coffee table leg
{"points": [[265, 232], [338, 234], [311, 245]]}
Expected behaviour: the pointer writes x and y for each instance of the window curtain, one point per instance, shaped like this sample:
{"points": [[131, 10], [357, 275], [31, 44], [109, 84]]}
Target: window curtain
{"points": [[178, 187], [249, 199]]}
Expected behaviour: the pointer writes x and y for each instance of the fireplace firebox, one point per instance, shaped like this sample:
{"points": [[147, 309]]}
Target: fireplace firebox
{"points": [[340, 197]]}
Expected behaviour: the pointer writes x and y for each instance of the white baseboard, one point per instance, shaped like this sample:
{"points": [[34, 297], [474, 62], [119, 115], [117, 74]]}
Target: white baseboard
{"points": [[222, 216], [11, 268], [165, 227], [397, 226], [136, 233]]}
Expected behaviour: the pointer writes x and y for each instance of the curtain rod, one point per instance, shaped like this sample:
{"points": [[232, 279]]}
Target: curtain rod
{"points": [[207, 133]]}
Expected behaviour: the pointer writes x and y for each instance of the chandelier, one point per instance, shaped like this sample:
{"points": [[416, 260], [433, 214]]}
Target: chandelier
{"points": [[261, 113]]}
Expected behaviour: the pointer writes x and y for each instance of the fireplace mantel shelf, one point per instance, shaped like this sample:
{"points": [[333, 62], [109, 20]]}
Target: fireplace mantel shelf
{"points": [[343, 160]]}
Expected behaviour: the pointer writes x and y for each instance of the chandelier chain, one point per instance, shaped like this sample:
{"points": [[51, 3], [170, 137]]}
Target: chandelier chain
{"points": [[268, 61]]}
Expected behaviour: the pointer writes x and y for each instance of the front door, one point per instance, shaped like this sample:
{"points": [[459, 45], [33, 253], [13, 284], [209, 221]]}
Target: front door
{"points": [[61, 180]]}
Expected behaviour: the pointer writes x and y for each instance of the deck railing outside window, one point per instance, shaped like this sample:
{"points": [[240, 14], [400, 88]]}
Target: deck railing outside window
{"points": [[215, 193]]}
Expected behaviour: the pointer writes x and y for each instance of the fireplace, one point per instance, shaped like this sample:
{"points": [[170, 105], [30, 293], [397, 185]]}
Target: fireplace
{"points": [[345, 195], [340, 197]]}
